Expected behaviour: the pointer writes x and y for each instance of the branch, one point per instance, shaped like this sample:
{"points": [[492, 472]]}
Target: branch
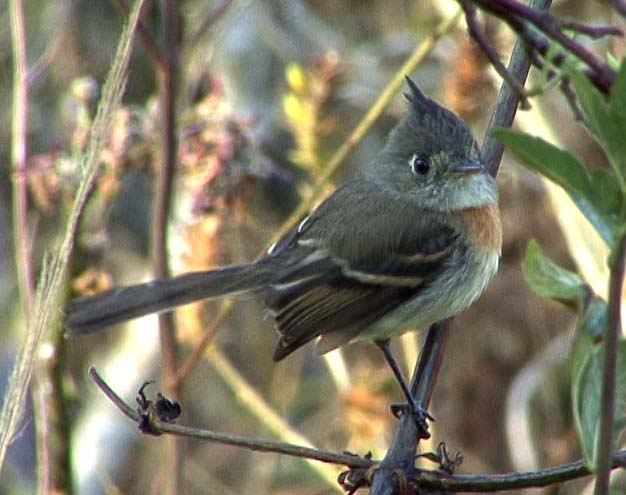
{"points": [[402, 452], [256, 444], [591, 31], [213, 16], [161, 208], [506, 103], [510, 481], [162, 203], [421, 479], [477, 34], [518, 16]]}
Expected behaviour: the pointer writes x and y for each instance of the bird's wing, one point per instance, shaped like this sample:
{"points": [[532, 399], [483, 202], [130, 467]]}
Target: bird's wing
{"points": [[326, 288]]}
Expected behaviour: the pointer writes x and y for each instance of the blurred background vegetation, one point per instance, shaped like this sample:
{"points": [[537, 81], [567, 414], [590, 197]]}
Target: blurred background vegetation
{"points": [[265, 95]]}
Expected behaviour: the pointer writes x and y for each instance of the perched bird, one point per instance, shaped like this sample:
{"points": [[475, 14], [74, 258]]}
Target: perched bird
{"points": [[414, 240]]}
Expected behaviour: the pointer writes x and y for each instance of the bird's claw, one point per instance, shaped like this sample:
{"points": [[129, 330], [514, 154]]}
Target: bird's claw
{"points": [[420, 415]]}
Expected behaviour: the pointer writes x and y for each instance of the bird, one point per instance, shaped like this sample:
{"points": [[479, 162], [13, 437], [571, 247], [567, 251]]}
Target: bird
{"points": [[412, 240]]}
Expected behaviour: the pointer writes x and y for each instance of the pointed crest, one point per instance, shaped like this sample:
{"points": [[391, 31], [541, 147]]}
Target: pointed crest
{"points": [[422, 105], [416, 98], [428, 114]]}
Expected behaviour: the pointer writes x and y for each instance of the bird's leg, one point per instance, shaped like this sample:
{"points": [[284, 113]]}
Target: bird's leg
{"points": [[419, 413]]}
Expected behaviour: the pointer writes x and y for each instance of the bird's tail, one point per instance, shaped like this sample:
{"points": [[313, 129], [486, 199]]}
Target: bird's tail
{"points": [[89, 314]]}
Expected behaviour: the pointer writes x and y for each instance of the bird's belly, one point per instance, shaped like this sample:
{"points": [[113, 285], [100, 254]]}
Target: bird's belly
{"points": [[454, 290]]}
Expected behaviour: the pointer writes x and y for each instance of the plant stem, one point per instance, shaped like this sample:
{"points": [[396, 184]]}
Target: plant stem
{"points": [[21, 235], [45, 309], [609, 372], [168, 79], [144, 34]]}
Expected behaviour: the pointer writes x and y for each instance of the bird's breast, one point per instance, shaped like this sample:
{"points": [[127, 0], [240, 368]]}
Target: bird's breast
{"points": [[483, 226]]}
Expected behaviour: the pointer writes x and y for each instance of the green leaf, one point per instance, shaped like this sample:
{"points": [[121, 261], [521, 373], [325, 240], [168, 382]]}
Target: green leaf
{"points": [[582, 348], [607, 195], [564, 169], [605, 120], [549, 280], [587, 358], [617, 111], [587, 399]]}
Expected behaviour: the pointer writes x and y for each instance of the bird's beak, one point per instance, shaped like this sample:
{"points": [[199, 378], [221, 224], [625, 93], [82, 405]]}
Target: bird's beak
{"points": [[466, 167]]}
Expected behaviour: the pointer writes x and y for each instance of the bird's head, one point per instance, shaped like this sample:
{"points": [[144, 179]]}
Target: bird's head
{"points": [[432, 158]]}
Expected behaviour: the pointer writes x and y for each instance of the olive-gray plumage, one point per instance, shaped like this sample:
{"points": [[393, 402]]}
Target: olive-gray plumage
{"points": [[413, 240]]}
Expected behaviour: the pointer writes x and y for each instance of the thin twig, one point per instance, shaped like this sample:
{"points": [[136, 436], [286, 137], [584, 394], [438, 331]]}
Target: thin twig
{"points": [[591, 31], [509, 481], [161, 208], [212, 17], [45, 309], [506, 103], [256, 444], [609, 371], [19, 125], [46, 468], [513, 12], [144, 34], [477, 34], [571, 99], [162, 204]]}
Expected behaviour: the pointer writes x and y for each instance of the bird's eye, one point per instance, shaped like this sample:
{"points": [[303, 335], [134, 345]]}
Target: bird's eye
{"points": [[419, 165]]}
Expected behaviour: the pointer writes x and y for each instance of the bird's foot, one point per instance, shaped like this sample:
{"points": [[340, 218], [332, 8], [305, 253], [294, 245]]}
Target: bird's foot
{"points": [[420, 415]]}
